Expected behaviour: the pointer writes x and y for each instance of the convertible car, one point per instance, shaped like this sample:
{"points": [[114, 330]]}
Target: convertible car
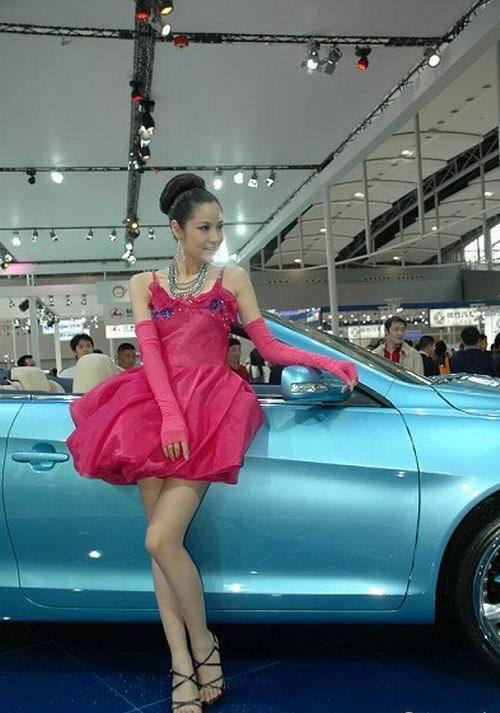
{"points": [[377, 506]]}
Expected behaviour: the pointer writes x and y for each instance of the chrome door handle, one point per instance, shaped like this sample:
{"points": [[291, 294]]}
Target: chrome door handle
{"points": [[39, 457]]}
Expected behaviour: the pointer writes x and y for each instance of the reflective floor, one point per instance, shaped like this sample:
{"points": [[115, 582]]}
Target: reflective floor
{"points": [[121, 668]]}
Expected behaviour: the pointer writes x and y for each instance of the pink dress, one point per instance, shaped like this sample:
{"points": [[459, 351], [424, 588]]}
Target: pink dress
{"points": [[117, 434]]}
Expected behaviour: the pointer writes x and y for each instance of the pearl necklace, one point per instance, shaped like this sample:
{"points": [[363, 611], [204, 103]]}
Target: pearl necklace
{"points": [[185, 289]]}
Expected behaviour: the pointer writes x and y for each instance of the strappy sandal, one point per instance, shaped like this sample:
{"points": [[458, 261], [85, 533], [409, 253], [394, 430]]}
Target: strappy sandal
{"points": [[194, 701], [211, 684]]}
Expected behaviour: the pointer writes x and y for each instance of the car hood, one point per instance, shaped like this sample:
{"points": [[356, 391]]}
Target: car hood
{"points": [[472, 393]]}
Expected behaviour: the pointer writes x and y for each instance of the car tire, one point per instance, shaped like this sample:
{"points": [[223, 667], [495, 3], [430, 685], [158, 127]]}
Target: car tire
{"points": [[474, 601]]}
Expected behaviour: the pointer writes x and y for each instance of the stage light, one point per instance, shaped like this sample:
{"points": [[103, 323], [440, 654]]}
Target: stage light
{"points": [[31, 173], [362, 53], [147, 125], [151, 233], [34, 236], [271, 179], [53, 235], [254, 180], [84, 300], [112, 235], [166, 29], [136, 94], [142, 11], [145, 152], [129, 245], [238, 178], [68, 301], [90, 235], [166, 7], [333, 57], [218, 181], [56, 176], [312, 61], [433, 56], [131, 259], [16, 240], [359, 195]]}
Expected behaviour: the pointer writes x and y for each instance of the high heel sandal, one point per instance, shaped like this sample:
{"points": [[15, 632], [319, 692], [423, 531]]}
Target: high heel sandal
{"points": [[194, 701], [210, 684]]}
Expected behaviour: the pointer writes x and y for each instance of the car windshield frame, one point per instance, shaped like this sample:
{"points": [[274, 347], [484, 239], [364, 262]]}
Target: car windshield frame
{"points": [[353, 351]]}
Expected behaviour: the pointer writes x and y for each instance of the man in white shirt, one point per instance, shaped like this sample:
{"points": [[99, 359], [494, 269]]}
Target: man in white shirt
{"points": [[396, 349], [80, 345]]}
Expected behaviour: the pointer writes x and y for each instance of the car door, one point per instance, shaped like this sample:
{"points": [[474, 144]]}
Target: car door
{"points": [[78, 542], [324, 516]]}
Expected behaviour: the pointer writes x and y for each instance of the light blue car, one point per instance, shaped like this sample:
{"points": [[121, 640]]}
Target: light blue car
{"points": [[377, 506]]}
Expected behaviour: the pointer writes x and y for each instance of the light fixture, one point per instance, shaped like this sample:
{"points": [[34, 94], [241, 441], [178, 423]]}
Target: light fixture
{"points": [[131, 259], [142, 11], [51, 300], [84, 300], [312, 61], [68, 301], [433, 56], [136, 94], [147, 125], [151, 233], [166, 7], [34, 236], [407, 153], [129, 245], [396, 257], [31, 173], [16, 240], [434, 228], [238, 178], [218, 181], [166, 28], [145, 153], [253, 181], [241, 229], [11, 303], [56, 176], [359, 195], [362, 54], [90, 235], [53, 235], [112, 235], [488, 194], [333, 57], [271, 179], [297, 260]]}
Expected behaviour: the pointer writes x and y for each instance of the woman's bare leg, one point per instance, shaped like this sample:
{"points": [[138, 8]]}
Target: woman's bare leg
{"points": [[172, 513], [171, 617]]}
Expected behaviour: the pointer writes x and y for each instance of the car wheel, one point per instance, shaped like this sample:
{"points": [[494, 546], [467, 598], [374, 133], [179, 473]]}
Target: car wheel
{"points": [[475, 588]]}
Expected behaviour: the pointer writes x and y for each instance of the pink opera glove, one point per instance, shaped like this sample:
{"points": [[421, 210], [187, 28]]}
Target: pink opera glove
{"points": [[280, 353], [173, 427]]}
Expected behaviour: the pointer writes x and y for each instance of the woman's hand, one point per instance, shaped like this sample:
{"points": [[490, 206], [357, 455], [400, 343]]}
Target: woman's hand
{"points": [[173, 450], [346, 370]]}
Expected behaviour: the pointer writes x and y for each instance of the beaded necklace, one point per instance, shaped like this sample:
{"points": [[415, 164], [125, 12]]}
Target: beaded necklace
{"points": [[185, 289]]}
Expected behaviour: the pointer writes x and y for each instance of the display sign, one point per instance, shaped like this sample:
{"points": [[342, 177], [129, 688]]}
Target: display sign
{"points": [[454, 317], [68, 328], [109, 292], [116, 313], [120, 331], [365, 331]]}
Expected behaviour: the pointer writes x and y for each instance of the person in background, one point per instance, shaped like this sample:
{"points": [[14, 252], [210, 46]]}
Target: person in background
{"points": [[483, 342], [275, 374], [257, 368], [396, 349], [125, 355], [234, 358], [80, 345], [26, 360], [471, 359], [495, 355], [426, 351], [442, 360]]}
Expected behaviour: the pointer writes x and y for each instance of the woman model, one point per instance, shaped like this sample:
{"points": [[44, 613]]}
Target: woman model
{"points": [[184, 419]]}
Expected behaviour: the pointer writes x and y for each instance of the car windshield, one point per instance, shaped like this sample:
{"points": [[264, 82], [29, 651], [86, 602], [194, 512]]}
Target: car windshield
{"points": [[353, 351]]}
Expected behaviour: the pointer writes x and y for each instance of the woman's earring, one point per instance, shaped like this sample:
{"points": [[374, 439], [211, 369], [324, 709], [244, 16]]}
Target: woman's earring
{"points": [[180, 252]]}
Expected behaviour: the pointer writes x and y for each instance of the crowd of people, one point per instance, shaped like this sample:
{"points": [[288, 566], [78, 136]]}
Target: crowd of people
{"points": [[428, 357]]}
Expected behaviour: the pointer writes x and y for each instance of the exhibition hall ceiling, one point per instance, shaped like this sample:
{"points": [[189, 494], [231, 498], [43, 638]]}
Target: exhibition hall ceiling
{"points": [[66, 103]]}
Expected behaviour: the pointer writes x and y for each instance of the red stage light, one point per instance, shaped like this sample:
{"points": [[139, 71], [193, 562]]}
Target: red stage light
{"points": [[181, 41]]}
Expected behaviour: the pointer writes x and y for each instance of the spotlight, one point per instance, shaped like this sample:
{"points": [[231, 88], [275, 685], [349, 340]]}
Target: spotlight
{"points": [[218, 181], [68, 301], [151, 233], [54, 235], [254, 180], [131, 259], [166, 7], [433, 56], [129, 246], [142, 11], [145, 153], [51, 300], [333, 57], [181, 41], [238, 177], [136, 94], [11, 303], [56, 176], [147, 126], [16, 240], [312, 60], [271, 179], [112, 235], [90, 235], [31, 173], [166, 28], [34, 236], [362, 53], [84, 300]]}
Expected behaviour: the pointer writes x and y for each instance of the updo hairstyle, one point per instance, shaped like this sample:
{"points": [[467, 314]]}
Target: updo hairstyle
{"points": [[182, 194]]}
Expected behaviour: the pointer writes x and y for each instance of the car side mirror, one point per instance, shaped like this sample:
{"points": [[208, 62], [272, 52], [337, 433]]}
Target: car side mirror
{"points": [[305, 385]]}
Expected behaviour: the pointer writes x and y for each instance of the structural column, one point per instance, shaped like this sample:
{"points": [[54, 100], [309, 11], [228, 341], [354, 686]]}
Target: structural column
{"points": [[438, 231], [420, 182], [368, 225], [301, 241], [34, 334], [486, 228], [330, 261], [57, 347]]}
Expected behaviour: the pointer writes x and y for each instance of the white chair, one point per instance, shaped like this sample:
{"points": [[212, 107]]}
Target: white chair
{"points": [[91, 370], [31, 378]]}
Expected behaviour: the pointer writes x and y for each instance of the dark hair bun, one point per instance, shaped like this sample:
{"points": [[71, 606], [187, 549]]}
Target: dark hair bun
{"points": [[177, 185]]}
